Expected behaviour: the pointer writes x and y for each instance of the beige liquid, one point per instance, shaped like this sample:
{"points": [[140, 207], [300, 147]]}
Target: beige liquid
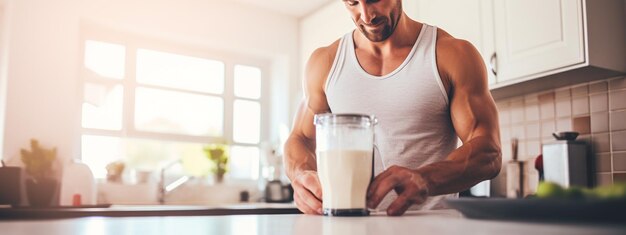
{"points": [[345, 176]]}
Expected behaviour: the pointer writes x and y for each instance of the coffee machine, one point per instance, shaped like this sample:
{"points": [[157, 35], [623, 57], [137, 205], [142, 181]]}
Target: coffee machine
{"points": [[566, 160]]}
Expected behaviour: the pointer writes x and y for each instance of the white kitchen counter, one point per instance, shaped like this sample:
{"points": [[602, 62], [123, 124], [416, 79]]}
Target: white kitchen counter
{"points": [[432, 222]]}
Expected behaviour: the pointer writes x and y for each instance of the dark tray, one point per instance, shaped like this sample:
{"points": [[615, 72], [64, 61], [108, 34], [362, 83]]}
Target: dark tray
{"points": [[534, 209]]}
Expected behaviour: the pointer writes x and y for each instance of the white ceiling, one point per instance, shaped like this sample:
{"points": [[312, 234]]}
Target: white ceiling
{"points": [[297, 8]]}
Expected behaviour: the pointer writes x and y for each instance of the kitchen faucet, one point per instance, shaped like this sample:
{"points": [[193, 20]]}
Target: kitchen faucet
{"points": [[163, 188]]}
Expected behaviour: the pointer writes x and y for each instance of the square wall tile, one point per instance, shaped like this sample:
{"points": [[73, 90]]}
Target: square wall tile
{"points": [[563, 108], [531, 98], [603, 179], [618, 120], [517, 131], [603, 162], [619, 161], [547, 110], [582, 125], [547, 128], [517, 111], [601, 143], [533, 148], [618, 140], [506, 152], [546, 97], [533, 131], [532, 111], [619, 178], [598, 87], [617, 84], [505, 134], [618, 100], [599, 102], [562, 93], [580, 91], [599, 122], [564, 124], [580, 106], [504, 116], [545, 140]]}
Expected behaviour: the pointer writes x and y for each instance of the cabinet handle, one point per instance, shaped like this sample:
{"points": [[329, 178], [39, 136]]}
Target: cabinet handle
{"points": [[493, 64]]}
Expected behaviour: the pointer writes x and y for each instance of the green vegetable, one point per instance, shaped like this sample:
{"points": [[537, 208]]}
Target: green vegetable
{"points": [[607, 192], [550, 190]]}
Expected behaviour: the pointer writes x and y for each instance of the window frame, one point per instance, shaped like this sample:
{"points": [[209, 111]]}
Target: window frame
{"points": [[132, 42]]}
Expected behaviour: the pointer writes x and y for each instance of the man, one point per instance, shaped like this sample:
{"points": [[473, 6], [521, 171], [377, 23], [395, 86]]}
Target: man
{"points": [[424, 86]]}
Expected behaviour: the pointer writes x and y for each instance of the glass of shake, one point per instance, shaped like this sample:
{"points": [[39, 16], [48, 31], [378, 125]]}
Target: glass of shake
{"points": [[344, 149]]}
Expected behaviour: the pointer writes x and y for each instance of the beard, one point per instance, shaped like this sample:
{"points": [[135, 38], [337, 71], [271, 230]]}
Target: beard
{"points": [[381, 27]]}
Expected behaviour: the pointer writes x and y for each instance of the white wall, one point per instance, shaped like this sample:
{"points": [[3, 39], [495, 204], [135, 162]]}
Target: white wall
{"points": [[43, 66], [322, 28], [4, 52]]}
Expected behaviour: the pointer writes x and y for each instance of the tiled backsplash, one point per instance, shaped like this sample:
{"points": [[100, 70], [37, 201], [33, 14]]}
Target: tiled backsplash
{"points": [[596, 110]]}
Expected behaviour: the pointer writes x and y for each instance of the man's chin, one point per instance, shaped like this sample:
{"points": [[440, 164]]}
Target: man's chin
{"points": [[376, 35]]}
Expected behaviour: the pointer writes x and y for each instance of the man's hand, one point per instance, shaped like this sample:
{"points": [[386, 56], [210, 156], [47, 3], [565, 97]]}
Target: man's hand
{"points": [[410, 186], [308, 192]]}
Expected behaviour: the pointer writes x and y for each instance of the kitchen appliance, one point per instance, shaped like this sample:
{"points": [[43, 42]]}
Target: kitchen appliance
{"points": [[275, 191], [10, 185], [565, 161]]}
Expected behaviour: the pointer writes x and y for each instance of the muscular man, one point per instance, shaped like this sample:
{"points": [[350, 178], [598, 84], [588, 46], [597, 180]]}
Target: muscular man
{"points": [[425, 87]]}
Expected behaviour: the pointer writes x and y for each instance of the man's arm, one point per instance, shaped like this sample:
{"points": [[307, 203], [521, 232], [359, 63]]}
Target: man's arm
{"points": [[475, 120], [299, 151]]}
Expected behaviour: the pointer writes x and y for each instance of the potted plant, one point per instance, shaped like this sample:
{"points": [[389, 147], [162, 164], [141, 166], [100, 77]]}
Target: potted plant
{"points": [[218, 155], [40, 187]]}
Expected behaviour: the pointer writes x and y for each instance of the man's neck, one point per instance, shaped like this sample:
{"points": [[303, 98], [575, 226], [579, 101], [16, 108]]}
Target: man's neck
{"points": [[404, 35]]}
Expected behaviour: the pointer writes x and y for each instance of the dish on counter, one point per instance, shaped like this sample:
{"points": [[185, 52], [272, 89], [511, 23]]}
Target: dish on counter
{"points": [[538, 209]]}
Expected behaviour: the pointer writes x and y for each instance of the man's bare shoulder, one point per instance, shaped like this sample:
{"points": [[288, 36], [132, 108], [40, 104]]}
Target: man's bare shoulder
{"points": [[454, 48], [317, 70], [321, 61], [458, 58]]}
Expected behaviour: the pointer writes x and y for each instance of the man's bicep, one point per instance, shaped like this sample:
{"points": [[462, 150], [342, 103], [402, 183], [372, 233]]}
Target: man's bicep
{"points": [[472, 108], [303, 123], [474, 115]]}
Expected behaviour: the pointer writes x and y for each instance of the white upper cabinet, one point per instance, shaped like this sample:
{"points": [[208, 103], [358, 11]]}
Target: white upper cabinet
{"points": [[463, 19], [535, 36], [535, 45]]}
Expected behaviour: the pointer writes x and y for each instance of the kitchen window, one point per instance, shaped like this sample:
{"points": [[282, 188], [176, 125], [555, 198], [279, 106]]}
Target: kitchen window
{"points": [[149, 103]]}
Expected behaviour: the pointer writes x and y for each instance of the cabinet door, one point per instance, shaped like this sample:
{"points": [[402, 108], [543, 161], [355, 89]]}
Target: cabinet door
{"points": [[471, 20], [537, 36]]}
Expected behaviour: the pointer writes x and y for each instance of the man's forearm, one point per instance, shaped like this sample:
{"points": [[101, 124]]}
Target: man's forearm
{"points": [[299, 156], [477, 160]]}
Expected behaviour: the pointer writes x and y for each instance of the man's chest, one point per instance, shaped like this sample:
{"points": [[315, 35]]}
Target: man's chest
{"points": [[382, 64]]}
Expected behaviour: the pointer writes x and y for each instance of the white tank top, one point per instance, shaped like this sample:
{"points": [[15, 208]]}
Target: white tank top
{"points": [[414, 125]]}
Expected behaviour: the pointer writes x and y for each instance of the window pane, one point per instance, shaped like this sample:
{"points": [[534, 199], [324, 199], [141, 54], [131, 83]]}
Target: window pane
{"points": [[247, 82], [244, 162], [105, 59], [98, 151], [174, 112], [178, 71], [152, 154], [246, 122], [102, 107]]}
